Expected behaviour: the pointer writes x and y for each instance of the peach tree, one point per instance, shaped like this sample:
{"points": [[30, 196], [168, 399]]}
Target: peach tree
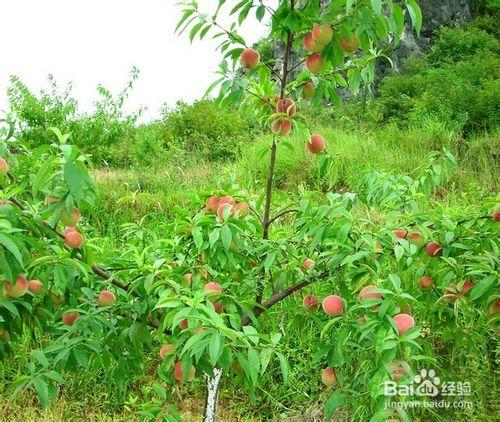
{"points": [[224, 291], [244, 262]]}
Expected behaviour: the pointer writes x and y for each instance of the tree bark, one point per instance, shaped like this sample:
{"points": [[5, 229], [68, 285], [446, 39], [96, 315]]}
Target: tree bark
{"points": [[212, 393]]}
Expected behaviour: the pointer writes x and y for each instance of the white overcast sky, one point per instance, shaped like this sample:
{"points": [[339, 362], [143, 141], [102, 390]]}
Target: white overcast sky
{"points": [[98, 41]]}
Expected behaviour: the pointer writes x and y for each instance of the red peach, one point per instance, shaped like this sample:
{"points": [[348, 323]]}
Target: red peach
{"points": [[310, 302], [250, 58], [183, 324], [403, 322], [308, 90], [307, 265], [106, 298], [494, 308], [227, 200], [4, 335], [225, 211], [70, 318], [188, 278], [332, 305], [328, 377], [311, 44], [400, 233], [314, 63], [433, 249], [468, 285], [179, 372], [496, 216], [322, 34], [218, 307], [72, 219], [417, 239], [399, 369], [73, 238], [212, 204], [316, 144], [242, 209], [281, 127], [167, 350], [365, 293], [35, 286], [425, 283], [213, 288], [20, 287], [350, 45], [4, 167], [287, 106]]}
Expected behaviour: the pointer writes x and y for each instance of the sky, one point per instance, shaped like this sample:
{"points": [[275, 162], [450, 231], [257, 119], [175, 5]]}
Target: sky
{"points": [[90, 42]]}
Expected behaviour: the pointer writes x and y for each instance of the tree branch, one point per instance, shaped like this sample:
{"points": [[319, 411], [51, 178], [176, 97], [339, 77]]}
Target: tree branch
{"points": [[281, 214], [278, 297]]}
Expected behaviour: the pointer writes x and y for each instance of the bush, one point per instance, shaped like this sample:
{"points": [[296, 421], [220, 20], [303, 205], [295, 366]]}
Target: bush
{"points": [[456, 82], [93, 132], [205, 130]]}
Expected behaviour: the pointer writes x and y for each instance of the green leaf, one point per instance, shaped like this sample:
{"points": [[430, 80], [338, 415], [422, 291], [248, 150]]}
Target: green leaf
{"points": [[415, 15], [197, 237], [284, 366], [42, 390], [186, 15], [480, 288], [259, 13], [377, 6], [215, 347], [9, 243], [336, 400], [40, 357], [194, 30], [226, 236]]}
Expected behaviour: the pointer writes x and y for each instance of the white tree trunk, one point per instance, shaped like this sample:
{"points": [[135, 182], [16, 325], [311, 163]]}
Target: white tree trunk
{"points": [[212, 393]]}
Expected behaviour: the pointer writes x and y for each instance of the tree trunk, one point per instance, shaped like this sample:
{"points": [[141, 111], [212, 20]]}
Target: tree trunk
{"points": [[213, 384]]}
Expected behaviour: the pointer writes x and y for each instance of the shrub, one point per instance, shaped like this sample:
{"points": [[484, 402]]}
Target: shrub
{"points": [[93, 132], [206, 130], [455, 83]]}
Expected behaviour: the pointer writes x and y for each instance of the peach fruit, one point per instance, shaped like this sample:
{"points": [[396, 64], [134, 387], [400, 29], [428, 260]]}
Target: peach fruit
{"points": [[425, 283], [350, 45], [332, 305], [281, 127], [286, 105], [314, 63], [316, 144], [179, 372], [69, 318], [166, 350], [106, 298], [212, 204], [403, 322], [322, 34], [433, 249], [310, 302], [35, 286], [328, 377], [250, 58]]}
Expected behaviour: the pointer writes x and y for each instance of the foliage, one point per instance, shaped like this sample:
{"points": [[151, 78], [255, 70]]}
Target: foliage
{"points": [[94, 132], [247, 324], [456, 83], [204, 129]]}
